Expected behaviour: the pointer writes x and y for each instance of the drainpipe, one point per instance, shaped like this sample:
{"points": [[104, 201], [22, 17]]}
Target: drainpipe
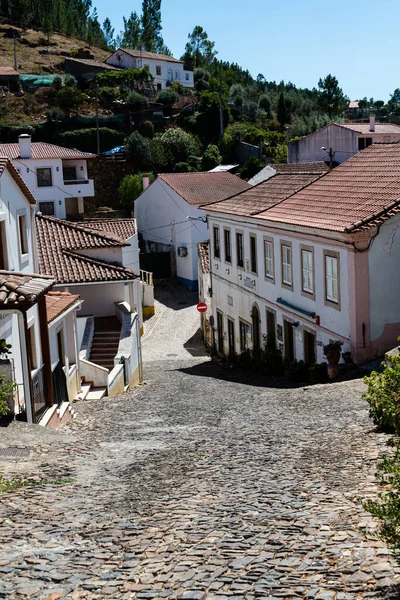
{"points": [[34, 242], [26, 375]]}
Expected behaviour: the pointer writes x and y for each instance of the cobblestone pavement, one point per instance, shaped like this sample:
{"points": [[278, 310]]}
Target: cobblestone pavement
{"points": [[198, 484]]}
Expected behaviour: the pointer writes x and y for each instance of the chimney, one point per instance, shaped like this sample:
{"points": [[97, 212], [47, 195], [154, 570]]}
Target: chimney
{"points": [[25, 145], [372, 121], [145, 181]]}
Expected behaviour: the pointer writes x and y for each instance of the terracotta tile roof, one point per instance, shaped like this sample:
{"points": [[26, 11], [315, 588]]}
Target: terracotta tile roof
{"points": [[359, 193], [354, 104], [380, 128], [204, 188], [96, 64], [150, 55], [264, 195], [5, 163], [57, 303], [203, 250], [308, 167], [121, 228], [41, 150], [58, 243], [22, 290], [8, 71]]}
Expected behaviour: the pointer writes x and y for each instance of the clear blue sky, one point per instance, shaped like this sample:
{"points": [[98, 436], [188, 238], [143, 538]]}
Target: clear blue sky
{"points": [[294, 40]]}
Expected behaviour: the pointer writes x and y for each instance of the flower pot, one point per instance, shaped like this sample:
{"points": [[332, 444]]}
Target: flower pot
{"points": [[333, 356]]}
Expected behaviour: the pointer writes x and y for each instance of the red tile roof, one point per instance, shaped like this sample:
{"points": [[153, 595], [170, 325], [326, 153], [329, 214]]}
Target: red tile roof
{"points": [[150, 55], [57, 303], [307, 167], [22, 290], [96, 64], [41, 150], [203, 250], [264, 195], [380, 128], [58, 243], [121, 228], [358, 194], [8, 71], [204, 188], [5, 163]]}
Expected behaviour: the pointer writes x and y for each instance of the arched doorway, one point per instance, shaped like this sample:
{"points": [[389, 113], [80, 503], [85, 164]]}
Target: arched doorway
{"points": [[255, 320]]}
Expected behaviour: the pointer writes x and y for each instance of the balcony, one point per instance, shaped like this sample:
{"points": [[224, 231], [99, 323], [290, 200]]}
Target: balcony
{"points": [[79, 187]]}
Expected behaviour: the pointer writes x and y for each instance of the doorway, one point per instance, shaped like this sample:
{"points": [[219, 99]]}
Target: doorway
{"points": [[309, 347], [288, 340], [255, 321], [220, 332], [231, 338], [271, 329]]}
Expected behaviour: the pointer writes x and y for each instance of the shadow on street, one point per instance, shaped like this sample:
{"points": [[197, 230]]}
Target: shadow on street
{"points": [[174, 295]]}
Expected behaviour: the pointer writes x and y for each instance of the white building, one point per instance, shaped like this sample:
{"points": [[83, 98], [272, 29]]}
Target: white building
{"points": [[205, 292], [56, 176], [309, 261], [341, 141], [165, 69], [171, 222], [33, 363]]}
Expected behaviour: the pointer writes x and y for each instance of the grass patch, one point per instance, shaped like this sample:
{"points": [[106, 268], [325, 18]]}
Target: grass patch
{"points": [[7, 485]]}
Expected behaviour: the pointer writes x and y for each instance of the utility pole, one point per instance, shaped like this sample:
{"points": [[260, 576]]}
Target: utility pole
{"points": [[15, 52], [96, 87], [331, 156], [221, 115]]}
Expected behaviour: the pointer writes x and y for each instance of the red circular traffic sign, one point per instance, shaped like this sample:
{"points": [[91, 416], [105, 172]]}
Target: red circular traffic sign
{"points": [[201, 307]]}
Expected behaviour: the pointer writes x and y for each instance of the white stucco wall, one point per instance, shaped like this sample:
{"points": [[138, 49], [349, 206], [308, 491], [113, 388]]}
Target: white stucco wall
{"points": [[308, 149], [130, 254], [170, 71], [99, 298]]}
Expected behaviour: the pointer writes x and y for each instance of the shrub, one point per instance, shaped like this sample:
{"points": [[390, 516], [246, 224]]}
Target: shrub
{"points": [[108, 94], [54, 114], [318, 373], [296, 371], [383, 396], [138, 150], [69, 98], [146, 129], [167, 97], [201, 78], [208, 121], [70, 81], [130, 188], [179, 146], [178, 88], [7, 389], [211, 158], [251, 167], [86, 139], [265, 104], [57, 82], [184, 167], [136, 101]]}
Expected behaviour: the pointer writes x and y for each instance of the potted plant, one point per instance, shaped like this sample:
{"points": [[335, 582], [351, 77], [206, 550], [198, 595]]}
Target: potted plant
{"points": [[347, 357], [332, 352]]}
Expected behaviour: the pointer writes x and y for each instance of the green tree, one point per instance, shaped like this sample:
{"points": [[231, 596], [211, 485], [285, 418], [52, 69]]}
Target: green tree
{"points": [[211, 158], [208, 121], [138, 150], [282, 112], [331, 99], [265, 104], [251, 167], [132, 34], [108, 32], [130, 188], [199, 50], [178, 145], [152, 40], [68, 98]]}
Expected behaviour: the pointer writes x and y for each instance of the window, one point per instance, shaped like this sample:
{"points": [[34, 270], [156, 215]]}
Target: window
{"points": [[22, 234], [253, 254], [244, 335], [227, 244], [269, 258], [60, 347], [220, 332], [69, 173], [46, 208], [177, 75], [187, 76], [216, 242], [307, 271], [239, 250], [3, 247], [44, 178], [332, 290], [158, 70], [364, 143], [159, 88], [287, 277]]}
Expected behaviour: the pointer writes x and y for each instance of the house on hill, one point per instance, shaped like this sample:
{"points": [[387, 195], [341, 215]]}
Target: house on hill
{"points": [[306, 261], [343, 139], [86, 68], [56, 176], [9, 78], [171, 223], [165, 69]]}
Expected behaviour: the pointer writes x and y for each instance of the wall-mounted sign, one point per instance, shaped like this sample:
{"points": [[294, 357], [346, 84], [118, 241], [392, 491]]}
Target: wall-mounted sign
{"points": [[230, 300]]}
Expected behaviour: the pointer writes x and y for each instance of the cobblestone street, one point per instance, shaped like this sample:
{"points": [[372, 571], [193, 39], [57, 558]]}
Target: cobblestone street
{"points": [[198, 484]]}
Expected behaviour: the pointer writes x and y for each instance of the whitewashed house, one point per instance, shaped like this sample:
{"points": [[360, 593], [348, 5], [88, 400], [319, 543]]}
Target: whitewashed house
{"points": [[341, 141], [205, 291], [56, 176], [306, 260], [171, 222], [95, 260], [165, 69], [24, 320]]}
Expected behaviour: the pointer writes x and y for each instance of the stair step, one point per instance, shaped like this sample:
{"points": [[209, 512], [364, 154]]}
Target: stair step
{"points": [[96, 393], [85, 389], [100, 354], [107, 334]]}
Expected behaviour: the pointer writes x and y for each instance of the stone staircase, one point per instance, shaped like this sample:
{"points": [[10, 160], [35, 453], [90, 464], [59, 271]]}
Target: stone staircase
{"points": [[89, 392], [105, 342]]}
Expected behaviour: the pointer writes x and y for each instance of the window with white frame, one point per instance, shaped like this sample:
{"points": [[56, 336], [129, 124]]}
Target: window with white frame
{"points": [[177, 75], [217, 253], [158, 70], [228, 246], [269, 258], [331, 278], [239, 249], [22, 234], [187, 76], [307, 271], [287, 276], [44, 178]]}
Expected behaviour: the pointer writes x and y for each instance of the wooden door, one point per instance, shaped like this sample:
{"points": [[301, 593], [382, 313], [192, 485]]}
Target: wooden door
{"points": [[289, 341], [231, 337], [309, 348]]}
